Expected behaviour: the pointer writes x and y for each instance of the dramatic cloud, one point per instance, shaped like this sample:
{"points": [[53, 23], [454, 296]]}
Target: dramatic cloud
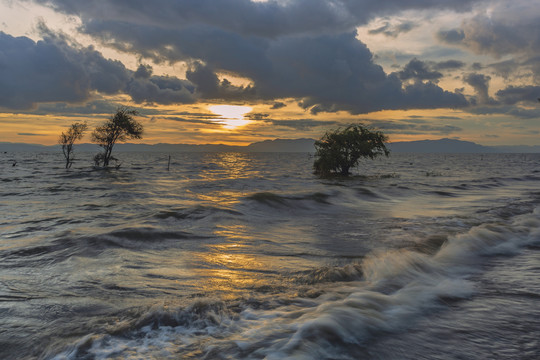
{"points": [[208, 85], [329, 72], [145, 88], [480, 83], [302, 49], [268, 19], [93, 108], [449, 65], [418, 70], [515, 94], [510, 110], [51, 70], [337, 72], [295, 59], [278, 105]]}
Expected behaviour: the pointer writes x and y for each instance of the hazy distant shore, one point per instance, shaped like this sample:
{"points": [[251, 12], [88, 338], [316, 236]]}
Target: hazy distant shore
{"points": [[287, 145]]}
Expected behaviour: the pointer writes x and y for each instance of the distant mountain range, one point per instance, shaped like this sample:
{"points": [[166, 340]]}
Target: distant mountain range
{"points": [[456, 146], [284, 145]]}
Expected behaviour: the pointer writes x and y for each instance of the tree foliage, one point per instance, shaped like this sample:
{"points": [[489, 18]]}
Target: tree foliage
{"points": [[341, 149], [68, 138], [120, 127]]}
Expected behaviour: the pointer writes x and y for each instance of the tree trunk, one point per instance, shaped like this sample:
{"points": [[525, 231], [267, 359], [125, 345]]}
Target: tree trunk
{"points": [[344, 170], [107, 156], [67, 153]]}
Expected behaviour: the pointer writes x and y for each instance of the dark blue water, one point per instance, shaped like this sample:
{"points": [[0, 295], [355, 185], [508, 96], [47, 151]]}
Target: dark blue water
{"points": [[250, 256]]}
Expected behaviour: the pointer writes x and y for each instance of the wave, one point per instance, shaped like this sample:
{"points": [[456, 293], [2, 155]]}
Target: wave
{"points": [[443, 193], [297, 202], [349, 272], [67, 245], [195, 213], [384, 293]]}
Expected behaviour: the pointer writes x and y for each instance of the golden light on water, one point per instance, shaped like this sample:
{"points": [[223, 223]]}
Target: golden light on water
{"points": [[232, 116]]}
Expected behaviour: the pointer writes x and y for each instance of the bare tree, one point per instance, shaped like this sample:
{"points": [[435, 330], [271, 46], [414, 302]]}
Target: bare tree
{"points": [[68, 138], [120, 127]]}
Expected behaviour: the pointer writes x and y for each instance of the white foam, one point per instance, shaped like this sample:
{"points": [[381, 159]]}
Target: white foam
{"points": [[398, 286]]}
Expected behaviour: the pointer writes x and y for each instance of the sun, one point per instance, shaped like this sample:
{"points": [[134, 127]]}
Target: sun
{"points": [[231, 116]]}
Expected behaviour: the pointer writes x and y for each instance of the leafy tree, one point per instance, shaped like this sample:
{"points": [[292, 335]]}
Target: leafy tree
{"points": [[339, 150], [67, 139], [120, 127]]}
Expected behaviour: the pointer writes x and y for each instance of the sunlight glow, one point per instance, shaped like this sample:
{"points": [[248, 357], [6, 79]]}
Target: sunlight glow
{"points": [[232, 116]]}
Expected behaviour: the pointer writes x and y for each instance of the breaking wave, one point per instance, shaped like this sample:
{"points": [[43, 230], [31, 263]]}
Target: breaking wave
{"points": [[349, 304]]}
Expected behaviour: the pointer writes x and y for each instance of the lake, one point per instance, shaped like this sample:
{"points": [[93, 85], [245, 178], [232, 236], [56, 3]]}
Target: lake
{"points": [[251, 256]]}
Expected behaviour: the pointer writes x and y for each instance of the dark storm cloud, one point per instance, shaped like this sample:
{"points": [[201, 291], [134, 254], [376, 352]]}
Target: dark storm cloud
{"points": [[418, 70], [431, 96], [269, 19], [257, 116], [96, 107], [516, 94], [449, 65], [336, 72], [510, 110], [329, 72], [480, 83], [302, 49], [49, 71], [208, 85], [143, 72], [161, 90], [278, 105], [52, 70]]}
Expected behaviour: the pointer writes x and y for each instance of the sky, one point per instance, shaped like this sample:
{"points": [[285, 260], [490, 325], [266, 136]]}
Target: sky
{"points": [[241, 71]]}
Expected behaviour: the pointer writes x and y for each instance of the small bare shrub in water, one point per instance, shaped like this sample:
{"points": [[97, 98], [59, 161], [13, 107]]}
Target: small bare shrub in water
{"points": [[68, 138]]}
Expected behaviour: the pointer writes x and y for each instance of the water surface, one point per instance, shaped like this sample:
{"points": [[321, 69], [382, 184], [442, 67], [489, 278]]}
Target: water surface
{"points": [[250, 256]]}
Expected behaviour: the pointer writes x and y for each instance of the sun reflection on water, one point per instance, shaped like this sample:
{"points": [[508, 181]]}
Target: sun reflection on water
{"points": [[227, 178], [228, 270]]}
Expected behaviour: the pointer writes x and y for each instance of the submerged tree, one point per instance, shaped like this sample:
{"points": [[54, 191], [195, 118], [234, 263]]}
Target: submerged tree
{"points": [[67, 139], [339, 150], [120, 127]]}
